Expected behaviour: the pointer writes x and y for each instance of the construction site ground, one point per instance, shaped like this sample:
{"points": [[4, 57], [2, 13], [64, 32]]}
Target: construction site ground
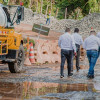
{"points": [[43, 82], [26, 30]]}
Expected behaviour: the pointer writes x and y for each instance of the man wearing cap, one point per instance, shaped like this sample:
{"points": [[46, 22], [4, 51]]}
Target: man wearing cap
{"points": [[91, 45], [67, 44], [78, 42]]}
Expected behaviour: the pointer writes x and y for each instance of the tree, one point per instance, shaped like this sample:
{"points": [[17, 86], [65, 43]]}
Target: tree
{"points": [[41, 5]]}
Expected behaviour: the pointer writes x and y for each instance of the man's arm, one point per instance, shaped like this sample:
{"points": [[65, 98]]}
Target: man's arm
{"points": [[73, 44], [98, 41], [84, 44], [81, 41], [59, 42]]}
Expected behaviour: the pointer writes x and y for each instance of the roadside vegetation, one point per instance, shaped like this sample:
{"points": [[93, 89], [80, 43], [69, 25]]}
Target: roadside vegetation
{"points": [[61, 9]]}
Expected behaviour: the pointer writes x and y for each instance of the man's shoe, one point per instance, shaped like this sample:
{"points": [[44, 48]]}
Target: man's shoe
{"points": [[78, 68], [71, 70], [90, 76], [70, 74], [61, 76]]}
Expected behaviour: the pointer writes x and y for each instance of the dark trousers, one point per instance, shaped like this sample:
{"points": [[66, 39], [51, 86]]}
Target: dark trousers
{"points": [[78, 56], [66, 54]]}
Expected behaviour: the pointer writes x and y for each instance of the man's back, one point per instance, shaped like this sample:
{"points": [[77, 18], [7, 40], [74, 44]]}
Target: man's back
{"points": [[78, 39], [91, 43], [66, 41], [98, 35]]}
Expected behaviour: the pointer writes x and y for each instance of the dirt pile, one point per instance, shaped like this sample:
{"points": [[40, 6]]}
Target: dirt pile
{"points": [[92, 20]]}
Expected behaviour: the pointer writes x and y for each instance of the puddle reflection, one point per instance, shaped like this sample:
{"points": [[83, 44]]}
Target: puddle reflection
{"points": [[29, 90]]}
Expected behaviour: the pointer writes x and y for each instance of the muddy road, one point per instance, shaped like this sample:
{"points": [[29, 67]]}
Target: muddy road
{"points": [[42, 82]]}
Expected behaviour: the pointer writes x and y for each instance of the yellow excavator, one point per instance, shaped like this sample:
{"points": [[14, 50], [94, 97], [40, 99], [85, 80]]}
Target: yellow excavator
{"points": [[11, 43]]}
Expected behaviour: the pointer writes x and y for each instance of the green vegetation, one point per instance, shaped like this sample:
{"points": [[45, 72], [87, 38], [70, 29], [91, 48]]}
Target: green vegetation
{"points": [[76, 9]]}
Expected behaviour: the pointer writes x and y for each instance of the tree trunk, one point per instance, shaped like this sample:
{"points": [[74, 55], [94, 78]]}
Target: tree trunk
{"points": [[8, 2], [37, 6], [41, 5], [46, 10], [65, 13], [90, 11], [51, 6], [78, 12], [30, 3], [98, 6], [57, 12]]}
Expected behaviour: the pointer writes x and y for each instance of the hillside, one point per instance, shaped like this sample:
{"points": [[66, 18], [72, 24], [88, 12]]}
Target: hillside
{"points": [[85, 24]]}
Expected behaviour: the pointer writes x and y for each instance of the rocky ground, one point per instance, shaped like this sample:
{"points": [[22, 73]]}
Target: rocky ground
{"points": [[42, 82]]}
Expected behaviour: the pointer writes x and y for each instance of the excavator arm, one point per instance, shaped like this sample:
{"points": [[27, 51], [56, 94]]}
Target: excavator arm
{"points": [[5, 19]]}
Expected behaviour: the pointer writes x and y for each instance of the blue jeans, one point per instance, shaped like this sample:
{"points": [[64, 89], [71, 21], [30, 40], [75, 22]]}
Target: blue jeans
{"points": [[48, 20], [92, 57]]}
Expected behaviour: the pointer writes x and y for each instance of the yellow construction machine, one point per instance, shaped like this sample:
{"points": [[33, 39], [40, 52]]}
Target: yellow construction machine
{"points": [[11, 43]]}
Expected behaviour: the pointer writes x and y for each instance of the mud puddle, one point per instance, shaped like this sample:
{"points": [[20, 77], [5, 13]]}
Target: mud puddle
{"points": [[49, 91]]}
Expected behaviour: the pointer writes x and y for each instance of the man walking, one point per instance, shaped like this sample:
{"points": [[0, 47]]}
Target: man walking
{"points": [[67, 44], [91, 44], [78, 41], [98, 35], [48, 18]]}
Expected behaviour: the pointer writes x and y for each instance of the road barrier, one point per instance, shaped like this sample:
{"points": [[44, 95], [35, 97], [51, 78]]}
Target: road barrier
{"points": [[31, 54], [47, 51]]}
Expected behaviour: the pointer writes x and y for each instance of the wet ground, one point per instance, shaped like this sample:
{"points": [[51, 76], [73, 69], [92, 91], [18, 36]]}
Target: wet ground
{"points": [[42, 82]]}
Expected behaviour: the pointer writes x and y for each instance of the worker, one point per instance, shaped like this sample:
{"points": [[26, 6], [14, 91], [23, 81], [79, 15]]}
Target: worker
{"points": [[67, 44], [48, 18], [91, 45], [78, 42]]}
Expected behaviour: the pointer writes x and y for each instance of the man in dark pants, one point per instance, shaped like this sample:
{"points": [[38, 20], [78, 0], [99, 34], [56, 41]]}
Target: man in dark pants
{"points": [[67, 44], [78, 41]]}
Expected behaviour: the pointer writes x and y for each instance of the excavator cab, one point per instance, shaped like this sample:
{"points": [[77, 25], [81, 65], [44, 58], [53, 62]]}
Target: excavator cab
{"points": [[11, 43]]}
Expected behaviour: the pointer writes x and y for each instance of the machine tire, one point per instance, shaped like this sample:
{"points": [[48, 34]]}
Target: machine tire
{"points": [[18, 66]]}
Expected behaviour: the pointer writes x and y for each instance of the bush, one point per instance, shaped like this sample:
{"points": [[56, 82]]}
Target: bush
{"points": [[30, 41]]}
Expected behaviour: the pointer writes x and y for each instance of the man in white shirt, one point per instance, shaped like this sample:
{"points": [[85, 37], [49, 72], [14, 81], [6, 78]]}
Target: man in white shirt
{"points": [[91, 45], [98, 35], [67, 45], [78, 42]]}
